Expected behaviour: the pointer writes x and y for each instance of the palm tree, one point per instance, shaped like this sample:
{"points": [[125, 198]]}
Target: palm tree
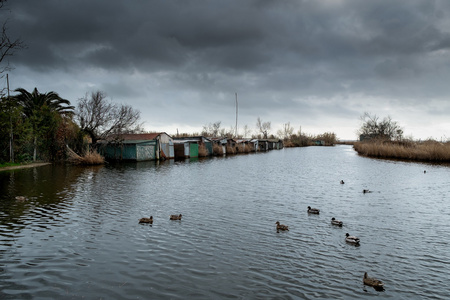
{"points": [[33, 104]]}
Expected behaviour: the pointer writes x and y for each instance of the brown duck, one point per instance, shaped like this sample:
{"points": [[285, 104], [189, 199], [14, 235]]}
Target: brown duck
{"points": [[175, 217], [372, 281], [281, 226], [146, 220]]}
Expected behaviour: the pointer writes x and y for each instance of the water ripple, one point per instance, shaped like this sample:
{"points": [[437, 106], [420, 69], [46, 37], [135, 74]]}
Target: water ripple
{"points": [[79, 236]]}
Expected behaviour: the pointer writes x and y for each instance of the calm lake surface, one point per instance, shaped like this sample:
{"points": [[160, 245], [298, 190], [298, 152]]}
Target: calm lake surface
{"points": [[77, 236]]}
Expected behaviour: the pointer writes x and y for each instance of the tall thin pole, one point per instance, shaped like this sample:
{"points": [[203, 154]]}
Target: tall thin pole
{"points": [[236, 115], [11, 135]]}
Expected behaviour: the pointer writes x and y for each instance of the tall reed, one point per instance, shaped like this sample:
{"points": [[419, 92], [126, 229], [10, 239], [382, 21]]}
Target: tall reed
{"points": [[217, 149], [230, 150], [421, 151], [90, 158], [202, 151]]}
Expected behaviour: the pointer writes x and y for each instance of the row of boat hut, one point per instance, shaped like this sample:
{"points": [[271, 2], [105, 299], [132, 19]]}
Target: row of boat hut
{"points": [[160, 146]]}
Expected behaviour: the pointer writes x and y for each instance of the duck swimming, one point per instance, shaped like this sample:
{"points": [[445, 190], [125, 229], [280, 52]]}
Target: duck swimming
{"points": [[377, 284], [313, 210], [342, 182], [351, 239], [281, 226], [146, 220], [336, 222], [367, 191], [176, 217]]}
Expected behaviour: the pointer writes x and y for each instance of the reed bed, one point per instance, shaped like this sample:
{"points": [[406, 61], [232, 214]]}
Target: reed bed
{"points": [[217, 149], [90, 158], [432, 151], [248, 148], [244, 148], [240, 148], [230, 150], [202, 151]]}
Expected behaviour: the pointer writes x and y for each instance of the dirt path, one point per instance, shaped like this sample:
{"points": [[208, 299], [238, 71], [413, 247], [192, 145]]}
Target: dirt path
{"points": [[32, 165]]}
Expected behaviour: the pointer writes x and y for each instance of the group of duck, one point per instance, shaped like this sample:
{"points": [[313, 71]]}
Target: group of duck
{"points": [[150, 220], [375, 283], [348, 238]]}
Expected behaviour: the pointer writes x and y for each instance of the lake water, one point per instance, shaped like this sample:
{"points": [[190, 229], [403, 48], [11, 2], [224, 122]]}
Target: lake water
{"points": [[77, 235]]}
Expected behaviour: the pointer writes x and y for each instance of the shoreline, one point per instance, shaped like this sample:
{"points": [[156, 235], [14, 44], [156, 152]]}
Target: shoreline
{"points": [[32, 165]]}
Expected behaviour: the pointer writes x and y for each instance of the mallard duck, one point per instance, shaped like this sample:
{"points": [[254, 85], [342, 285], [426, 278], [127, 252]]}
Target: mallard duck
{"points": [[313, 210], [281, 226], [146, 220], [342, 182], [351, 239], [372, 281], [175, 217], [336, 222]]}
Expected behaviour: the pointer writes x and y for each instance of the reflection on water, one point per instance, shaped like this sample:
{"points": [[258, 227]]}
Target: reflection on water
{"points": [[78, 235]]}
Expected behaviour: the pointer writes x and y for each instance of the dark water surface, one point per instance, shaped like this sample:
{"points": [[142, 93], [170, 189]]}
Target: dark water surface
{"points": [[78, 235]]}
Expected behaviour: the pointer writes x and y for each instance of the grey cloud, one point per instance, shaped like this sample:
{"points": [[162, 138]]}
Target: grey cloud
{"points": [[280, 54]]}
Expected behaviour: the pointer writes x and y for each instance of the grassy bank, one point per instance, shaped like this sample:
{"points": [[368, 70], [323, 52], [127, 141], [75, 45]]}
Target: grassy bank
{"points": [[430, 151], [9, 164], [15, 166]]}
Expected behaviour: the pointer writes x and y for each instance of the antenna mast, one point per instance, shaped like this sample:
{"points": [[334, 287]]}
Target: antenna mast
{"points": [[236, 116]]}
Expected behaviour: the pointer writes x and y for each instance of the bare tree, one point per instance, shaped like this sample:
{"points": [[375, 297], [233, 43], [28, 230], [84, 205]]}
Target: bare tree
{"points": [[7, 45], [263, 127], [212, 129], [286, 132], [247, 131], [100, 118], [372, 127]]}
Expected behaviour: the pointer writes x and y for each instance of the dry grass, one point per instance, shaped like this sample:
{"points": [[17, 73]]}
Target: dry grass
{"points": [[90, 158], [217, 149], [230, 150], [242, 148], [202, 152], [420, 151]]}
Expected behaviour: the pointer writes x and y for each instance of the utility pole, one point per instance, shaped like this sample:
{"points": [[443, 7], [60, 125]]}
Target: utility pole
{"points": [[236, 116], [11, 135]]}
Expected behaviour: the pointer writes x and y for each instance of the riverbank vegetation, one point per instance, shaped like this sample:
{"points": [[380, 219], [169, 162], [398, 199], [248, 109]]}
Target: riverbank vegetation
{"points": [[45, 127], [37, 126], [383, 138], [430, 150]]}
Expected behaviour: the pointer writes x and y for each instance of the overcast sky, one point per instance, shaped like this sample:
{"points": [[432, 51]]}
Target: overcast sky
{"points": [[314, 63]]}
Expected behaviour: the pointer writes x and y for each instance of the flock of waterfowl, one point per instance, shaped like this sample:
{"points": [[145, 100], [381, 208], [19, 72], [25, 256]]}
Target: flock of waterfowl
{"points": [[150, 220], [375, 283]]}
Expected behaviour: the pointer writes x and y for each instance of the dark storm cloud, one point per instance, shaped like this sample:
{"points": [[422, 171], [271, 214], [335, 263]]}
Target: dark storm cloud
{"points": [[233, 35], [292, 52]]}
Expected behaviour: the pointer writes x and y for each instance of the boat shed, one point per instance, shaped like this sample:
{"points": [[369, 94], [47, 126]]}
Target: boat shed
{"points": [[192, 147], [245, 145], [185, 148], [263, 145], [275, 144], [220, 143], [138, 147]]}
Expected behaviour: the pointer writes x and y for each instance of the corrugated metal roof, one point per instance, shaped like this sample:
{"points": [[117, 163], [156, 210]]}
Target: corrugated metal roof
{"points": [[185, 141], [135, 137], [140, 136]]}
